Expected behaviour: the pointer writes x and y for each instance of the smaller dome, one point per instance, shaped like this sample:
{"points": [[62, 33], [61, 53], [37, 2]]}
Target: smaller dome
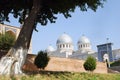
{"points": [[64, 38], [83, 40], [50, 49]]}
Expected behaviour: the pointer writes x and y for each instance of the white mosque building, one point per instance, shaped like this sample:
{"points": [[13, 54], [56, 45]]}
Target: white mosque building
{"points": [[65, 48]]}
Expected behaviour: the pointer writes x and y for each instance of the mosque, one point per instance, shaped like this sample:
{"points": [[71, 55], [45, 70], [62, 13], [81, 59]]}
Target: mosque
{"points": [[65, 49]]}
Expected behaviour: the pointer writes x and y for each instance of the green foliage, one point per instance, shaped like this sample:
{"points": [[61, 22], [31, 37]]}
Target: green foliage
{"points": [[90, 64], [41, 60], [116, 63], [20, 8], [6, 41]]}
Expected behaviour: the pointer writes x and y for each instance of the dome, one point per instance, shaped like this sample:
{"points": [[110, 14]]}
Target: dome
{"points": [[83, 40], [50, 49], [64, 38]]}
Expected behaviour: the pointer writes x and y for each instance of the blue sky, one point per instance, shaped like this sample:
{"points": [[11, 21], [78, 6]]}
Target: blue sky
{"points": [[97, 26]]}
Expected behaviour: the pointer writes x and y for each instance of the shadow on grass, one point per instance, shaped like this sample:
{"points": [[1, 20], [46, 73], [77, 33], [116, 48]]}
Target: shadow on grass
{"points": [[46, 72]]}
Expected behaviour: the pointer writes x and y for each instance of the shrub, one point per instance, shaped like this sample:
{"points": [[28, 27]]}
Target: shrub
{"points": [[6, 41], [90, 64], [116, 63], [41, 60]]}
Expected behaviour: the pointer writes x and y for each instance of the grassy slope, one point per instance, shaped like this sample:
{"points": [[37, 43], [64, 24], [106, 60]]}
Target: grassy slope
{"points": [[66, 76]]}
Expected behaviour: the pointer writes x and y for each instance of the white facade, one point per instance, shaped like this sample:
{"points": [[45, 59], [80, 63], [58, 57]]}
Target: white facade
{"points": [[65, 48]]}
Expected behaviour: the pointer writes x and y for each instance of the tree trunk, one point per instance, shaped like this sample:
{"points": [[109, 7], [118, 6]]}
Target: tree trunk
{"points": [[13, 62]]}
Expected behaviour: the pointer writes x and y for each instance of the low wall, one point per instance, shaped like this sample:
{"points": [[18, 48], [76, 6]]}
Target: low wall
{"points": [[73, 65], [63, 64]]}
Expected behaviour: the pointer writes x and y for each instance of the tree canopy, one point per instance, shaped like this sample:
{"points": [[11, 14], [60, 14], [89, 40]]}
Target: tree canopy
{"points": [[49, 8], [31, 12]]}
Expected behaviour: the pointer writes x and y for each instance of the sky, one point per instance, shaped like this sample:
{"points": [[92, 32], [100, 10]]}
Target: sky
{"points": [[97, 26]]}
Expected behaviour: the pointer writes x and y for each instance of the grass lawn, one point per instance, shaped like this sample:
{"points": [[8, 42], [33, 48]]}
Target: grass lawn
{"points": [[64, 76]]}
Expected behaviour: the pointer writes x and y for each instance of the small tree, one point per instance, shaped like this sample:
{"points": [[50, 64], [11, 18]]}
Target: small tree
{"points": [[6, 41], [90, 64], [41, 60]]}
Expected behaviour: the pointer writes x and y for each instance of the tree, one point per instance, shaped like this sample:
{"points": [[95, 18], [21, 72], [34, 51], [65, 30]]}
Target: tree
{"points": [[41, 60], [6, 41], [90, 64], [31, 12]]}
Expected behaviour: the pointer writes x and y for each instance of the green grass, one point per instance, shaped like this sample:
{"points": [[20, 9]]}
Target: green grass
{"points": [[65, 76]]}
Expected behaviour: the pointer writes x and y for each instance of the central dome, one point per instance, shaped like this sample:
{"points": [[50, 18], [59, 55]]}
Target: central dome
{"points": [[83, 40], [64, 38]]}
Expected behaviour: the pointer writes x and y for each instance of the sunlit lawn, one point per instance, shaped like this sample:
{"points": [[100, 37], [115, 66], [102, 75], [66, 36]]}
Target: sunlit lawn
{"points": [[64, 76]]}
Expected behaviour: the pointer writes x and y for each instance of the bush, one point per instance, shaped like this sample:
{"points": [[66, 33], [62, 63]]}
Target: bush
{"points": [[116, 63], [6, 41], [90, 64], [41, 60]]}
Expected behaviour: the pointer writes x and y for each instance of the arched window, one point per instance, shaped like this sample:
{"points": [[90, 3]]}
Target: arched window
{"points": [[60, 46], [67, 45], [81, 45], [86, 45]]}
